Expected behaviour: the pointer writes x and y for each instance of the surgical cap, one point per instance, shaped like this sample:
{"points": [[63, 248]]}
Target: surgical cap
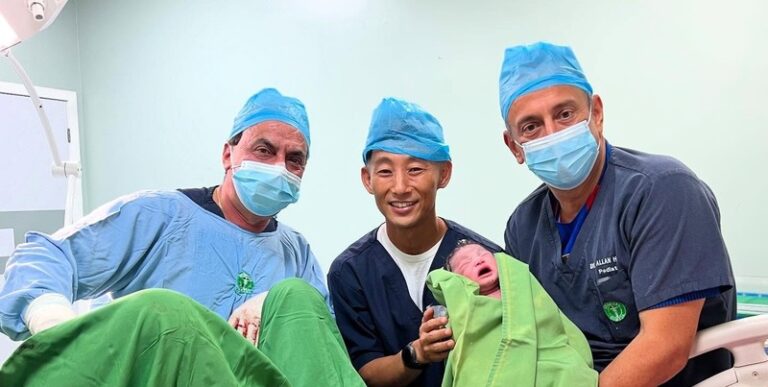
{"points": [[270, 105], [405, 128], [537, 66]]}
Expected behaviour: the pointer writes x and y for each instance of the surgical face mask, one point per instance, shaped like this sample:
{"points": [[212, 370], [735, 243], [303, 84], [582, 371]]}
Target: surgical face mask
{"points": [[564, 159], [265, 189]]}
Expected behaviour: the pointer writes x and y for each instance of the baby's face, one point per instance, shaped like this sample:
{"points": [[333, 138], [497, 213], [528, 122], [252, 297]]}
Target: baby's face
{"points": [[476, 263]]}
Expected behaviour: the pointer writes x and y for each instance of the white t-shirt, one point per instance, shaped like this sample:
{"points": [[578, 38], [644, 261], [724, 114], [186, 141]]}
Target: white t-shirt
{"points": [[414, 267]]}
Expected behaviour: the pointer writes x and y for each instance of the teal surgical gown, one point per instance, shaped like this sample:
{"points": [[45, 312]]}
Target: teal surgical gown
{"points": [[153, 239]]}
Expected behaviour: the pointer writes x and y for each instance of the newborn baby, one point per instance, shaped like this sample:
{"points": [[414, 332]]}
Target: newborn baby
{"points": [[478, 264], [548, 349]]}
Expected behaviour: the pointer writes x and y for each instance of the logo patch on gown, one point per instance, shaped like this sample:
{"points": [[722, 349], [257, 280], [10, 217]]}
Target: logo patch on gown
{"points": [[615, 311], [243, 284]]}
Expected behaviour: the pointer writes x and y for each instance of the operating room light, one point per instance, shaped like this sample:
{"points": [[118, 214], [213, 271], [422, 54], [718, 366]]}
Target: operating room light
{"points": [[22, 19]]}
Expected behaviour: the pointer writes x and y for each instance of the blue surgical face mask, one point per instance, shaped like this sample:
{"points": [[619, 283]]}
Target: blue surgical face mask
{"points": [[564, 159], [265, 189]]}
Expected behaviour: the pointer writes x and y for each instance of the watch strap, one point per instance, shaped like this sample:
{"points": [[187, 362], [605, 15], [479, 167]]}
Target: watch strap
{"points": [[409, 358]]}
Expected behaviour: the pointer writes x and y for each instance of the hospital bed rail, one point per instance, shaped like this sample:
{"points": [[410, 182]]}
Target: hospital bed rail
{"points": [[746, 340]]}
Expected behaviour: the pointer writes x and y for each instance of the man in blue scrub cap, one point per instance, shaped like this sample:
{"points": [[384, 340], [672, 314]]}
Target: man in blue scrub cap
{"points": [[628, 244], [378, 283], [222, 246]]}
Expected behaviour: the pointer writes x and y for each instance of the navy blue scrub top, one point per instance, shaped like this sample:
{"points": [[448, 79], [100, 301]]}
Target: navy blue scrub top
{"points": [[569, 231], [652, 234], [374, 311]]}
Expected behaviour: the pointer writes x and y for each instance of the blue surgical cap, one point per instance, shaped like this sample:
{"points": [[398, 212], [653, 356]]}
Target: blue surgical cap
{"points": [[405, 128], [537, 66], [270, 105]]}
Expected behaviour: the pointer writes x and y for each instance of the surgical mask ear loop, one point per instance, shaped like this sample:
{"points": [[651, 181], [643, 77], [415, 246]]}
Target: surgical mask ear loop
{"points": [[231, 164]]}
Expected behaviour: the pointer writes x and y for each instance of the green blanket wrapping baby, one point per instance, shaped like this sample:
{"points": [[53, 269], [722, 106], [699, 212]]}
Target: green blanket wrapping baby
{"points": [[520, 340]]}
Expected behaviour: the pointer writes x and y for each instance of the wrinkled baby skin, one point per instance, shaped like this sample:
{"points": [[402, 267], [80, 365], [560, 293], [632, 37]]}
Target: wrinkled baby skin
{"points": [[478, 264]]}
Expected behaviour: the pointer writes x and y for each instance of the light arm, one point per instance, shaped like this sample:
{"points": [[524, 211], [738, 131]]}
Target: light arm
{"points": [[60, 168], [20, 20]]}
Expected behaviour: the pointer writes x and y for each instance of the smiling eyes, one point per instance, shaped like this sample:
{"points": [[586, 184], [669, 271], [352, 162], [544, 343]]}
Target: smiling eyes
{"points": [[412, 171], [566, 114], [563, 117], [294, 161], [264, 150], [529, 128]]}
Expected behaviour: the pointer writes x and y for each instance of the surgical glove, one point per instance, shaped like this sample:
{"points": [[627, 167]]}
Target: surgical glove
{"points": [[47, 311], [246, 319]]}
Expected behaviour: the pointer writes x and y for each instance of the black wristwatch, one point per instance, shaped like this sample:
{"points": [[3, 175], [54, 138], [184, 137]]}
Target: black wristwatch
{"points": [[409, 358]]}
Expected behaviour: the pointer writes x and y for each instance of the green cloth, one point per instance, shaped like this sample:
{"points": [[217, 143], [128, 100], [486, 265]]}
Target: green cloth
{"points": [[301, 338], [162, 338], [521, 340]]}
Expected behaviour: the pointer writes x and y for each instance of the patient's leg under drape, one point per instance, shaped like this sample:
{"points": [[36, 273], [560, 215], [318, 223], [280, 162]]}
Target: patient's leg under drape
{"points": [[163, 338]]}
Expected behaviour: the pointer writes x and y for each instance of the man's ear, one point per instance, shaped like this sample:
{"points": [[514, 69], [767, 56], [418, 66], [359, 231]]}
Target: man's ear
{"points": [[598, 115], [513, 147], [446, 169], [365, 176], [226, 157]]}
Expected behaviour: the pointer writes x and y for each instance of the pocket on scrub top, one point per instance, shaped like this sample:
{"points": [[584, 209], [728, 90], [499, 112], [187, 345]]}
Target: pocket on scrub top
{"points": [[618, 305]]}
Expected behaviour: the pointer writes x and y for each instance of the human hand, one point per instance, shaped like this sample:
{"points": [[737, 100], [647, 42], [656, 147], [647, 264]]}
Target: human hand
{"points": [[434, 342], [246, 319], [42, 324], [47, 311]]}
